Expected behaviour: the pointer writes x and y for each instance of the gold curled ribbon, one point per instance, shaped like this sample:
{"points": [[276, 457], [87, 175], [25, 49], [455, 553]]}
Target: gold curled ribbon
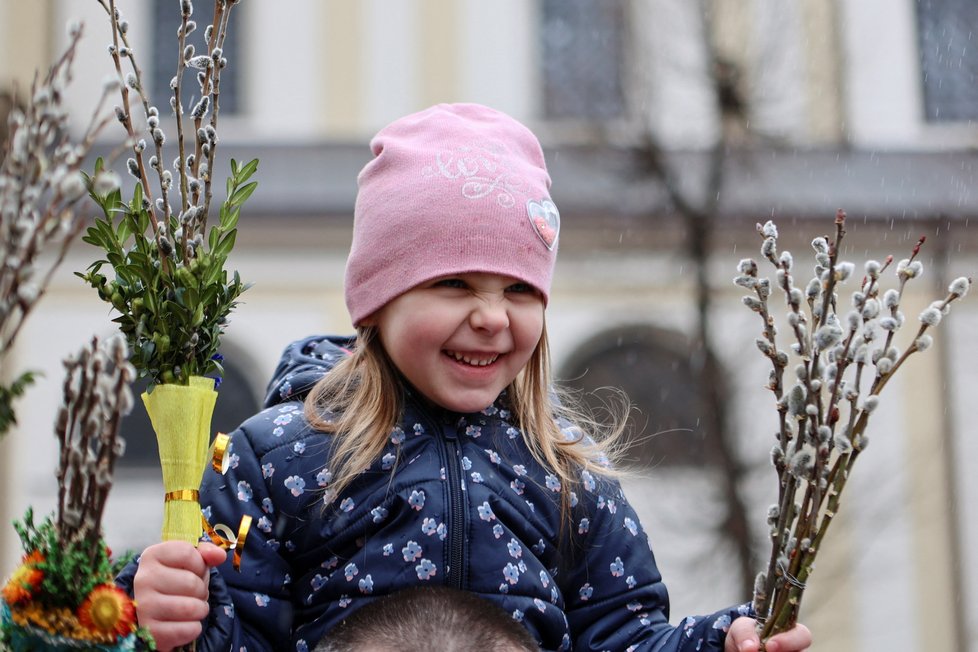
{"points": [[219, 453], [221, 535], [190, 495]]}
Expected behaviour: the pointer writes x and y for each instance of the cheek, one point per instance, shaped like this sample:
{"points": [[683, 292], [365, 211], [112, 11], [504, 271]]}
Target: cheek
{"points": [[529, 328]]}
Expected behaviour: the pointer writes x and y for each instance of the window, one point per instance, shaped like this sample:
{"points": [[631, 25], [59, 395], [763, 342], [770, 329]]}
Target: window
{"points": [[166, 21], [652, 367], [948, 38], [581, 59]]}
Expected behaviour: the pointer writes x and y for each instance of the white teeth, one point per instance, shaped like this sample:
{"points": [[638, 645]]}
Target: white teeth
{"points": [[471, 361]]}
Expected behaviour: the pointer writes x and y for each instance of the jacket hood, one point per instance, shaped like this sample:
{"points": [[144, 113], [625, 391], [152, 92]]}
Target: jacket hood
{"points": [[303, 363]]}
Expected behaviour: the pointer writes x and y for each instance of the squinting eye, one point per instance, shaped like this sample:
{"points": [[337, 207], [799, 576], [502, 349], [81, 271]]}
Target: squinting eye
{"points": [[450, 283], [521, 288]]}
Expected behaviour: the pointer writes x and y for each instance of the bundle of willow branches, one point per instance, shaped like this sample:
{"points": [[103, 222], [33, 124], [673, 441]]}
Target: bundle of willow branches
{"points": [[842, 363], [40, 187]]}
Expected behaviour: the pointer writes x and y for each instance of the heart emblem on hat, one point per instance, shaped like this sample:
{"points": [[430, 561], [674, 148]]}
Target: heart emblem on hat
{"points": [[545, 219]]}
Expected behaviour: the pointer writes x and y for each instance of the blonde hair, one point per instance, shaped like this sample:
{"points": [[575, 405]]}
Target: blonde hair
{"points": [[360, 402]]}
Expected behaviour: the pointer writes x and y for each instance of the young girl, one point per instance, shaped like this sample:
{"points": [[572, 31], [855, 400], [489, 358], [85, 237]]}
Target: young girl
{"points": [[429, 449]]}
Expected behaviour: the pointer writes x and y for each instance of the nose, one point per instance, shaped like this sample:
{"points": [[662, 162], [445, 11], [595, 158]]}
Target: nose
{"points": [[489, 316]]}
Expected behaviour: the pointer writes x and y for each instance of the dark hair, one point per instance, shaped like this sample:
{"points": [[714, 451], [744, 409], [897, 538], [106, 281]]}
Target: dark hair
{"points": [[421, 619]]}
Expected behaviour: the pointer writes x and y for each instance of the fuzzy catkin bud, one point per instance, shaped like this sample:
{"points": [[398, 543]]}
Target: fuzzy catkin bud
{"points": [[824, 433], [796, 399], [820, 245], [769, 248], [842, 444], [959, 286], [786, 260], [747, 266], [829, 334], [930, 317], [814, 289], [801, 463], [923, 342], [889, 324], [871, 309], [843, 271], [200, 62], [873, 269], [200, 109], [752, 303]]}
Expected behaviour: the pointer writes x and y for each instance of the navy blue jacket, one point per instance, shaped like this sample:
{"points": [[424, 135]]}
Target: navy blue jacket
{"points": [[454, 499]]}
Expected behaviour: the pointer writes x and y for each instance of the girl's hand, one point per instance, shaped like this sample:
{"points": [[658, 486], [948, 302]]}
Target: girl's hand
{"points": [[742, 637], [171, 593]]}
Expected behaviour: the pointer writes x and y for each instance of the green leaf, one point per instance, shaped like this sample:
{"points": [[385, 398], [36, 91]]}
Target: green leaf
{"points": [[225, 245], [245, 173], [7, 395], [229, 220], [242, 194]]}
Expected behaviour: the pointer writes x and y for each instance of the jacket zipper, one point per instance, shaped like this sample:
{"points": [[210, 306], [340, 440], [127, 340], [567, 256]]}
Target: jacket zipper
{"points": [[456, 521]]}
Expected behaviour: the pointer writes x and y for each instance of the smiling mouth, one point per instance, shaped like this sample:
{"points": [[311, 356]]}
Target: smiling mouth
{"points": [[473, 360]]}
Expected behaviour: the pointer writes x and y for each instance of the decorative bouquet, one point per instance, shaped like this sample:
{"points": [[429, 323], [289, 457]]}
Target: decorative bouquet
{"points": [[62, 596], [843, 363], [169, 284]]}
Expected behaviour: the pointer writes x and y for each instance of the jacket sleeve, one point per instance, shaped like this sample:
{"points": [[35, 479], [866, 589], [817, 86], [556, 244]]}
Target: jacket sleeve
{"points": [[615, 596], [251, 607]]}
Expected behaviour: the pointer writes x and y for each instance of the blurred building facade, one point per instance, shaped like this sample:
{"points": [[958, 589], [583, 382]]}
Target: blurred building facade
{"points": [[867, 106]]}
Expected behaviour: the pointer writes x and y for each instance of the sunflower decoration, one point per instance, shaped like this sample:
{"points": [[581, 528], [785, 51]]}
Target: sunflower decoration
{"points": [[108, 611], [61, 596]]}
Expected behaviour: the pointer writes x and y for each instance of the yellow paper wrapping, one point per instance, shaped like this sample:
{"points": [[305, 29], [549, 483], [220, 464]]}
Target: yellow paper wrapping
{"points": [[181, 416]]}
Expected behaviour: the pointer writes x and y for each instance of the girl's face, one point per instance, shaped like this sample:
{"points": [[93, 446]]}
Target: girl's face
{"points": [[461, 340]]}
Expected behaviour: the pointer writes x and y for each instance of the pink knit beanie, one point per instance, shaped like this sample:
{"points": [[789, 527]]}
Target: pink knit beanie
{"points": [[452, 189]]}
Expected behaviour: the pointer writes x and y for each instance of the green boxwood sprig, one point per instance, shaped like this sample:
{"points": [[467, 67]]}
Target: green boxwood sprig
{"points": [[172, 293]]}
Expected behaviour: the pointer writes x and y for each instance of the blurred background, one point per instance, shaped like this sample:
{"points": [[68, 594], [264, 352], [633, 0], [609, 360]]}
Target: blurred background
{"points": [[671, 127]]}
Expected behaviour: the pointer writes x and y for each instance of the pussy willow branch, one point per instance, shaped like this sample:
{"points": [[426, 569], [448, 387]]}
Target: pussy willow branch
{"points": [[96, 396], [222, 14], [192, 169], [811, 448], [40, 184]]}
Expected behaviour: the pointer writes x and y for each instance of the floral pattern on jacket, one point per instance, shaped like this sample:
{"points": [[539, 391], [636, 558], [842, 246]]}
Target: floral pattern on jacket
{"points": [[454, 499]]}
